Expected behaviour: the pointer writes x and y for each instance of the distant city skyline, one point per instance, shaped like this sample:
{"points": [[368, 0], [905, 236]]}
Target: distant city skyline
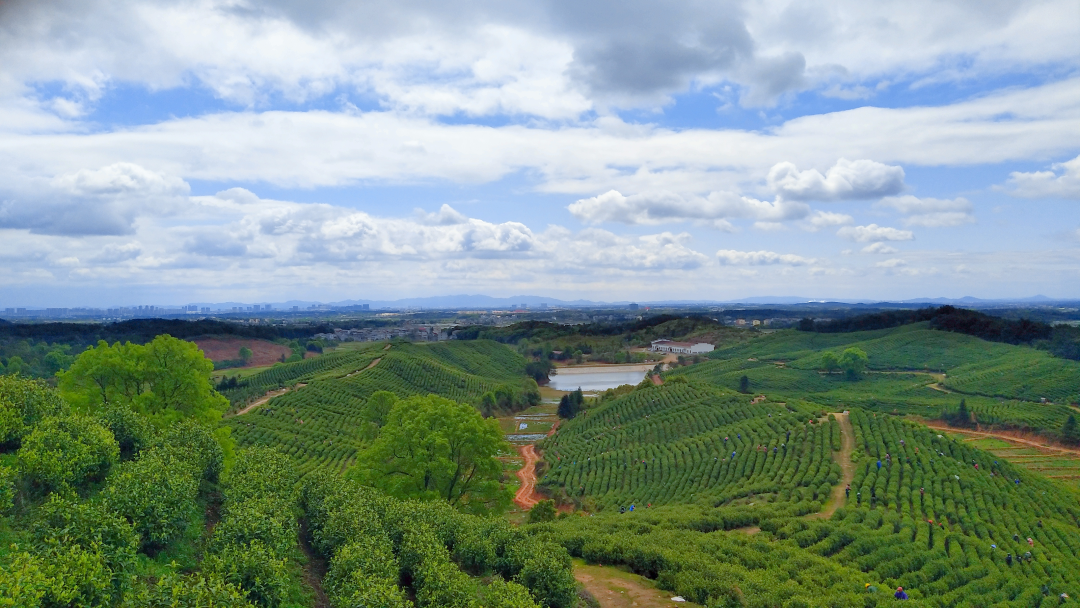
{"points": [[253, 151]]}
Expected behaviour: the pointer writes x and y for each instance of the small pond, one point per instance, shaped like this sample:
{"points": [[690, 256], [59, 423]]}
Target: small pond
{"points": [[597, 378]]}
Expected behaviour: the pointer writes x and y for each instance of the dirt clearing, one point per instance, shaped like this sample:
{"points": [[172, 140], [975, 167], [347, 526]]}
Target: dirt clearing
{"points": [[616, 588], [263, 353], [847, 446]]}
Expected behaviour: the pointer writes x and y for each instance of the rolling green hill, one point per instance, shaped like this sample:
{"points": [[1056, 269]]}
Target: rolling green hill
{"points": [[320, 424]]}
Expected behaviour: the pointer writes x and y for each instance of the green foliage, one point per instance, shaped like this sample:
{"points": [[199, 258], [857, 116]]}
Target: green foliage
{"points": [[1070, 431], [245, 354], [262, 573], [24, 403], [744, 384], [571, 404], [196, 444], [65, 576], [542, 511], [68, 451], [166, 380], [325, 425], [853, 361], [829, 361], [369, 537], [157, 493], [502, 594], [188, 591], [7, 489], [132, 431], [435, 448]]}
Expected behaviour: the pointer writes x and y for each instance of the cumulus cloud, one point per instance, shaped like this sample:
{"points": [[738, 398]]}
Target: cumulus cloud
{"points": [[656, 208], [880, 248], [760, 258], [931, 212], [1061, 181], [114, 253], [104, 201], [827, 219], [846, 180], [874, 233]]}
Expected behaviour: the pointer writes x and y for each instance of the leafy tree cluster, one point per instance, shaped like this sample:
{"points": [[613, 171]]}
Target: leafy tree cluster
{"points": [[852, 362], [165, 380], [961, 417], [433, 448], [34, 358], [571, 404], [141, 331], [506, 398]]}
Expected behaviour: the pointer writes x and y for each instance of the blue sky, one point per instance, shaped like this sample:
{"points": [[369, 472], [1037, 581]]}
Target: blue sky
{"points": [[213, 150]]}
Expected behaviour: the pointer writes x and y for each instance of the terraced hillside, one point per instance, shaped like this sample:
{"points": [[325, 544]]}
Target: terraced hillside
{"points": [[948, 522], [321, 424], [912, 370], [680, 443]]}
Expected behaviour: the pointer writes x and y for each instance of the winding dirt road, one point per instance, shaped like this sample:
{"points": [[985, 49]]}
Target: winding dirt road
{"points": [[526, 496], [267, 397]]}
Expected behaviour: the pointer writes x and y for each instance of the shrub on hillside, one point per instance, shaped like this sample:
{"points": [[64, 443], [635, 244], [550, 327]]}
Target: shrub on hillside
{"points": [[261, 572], [131, 431], [67, 451], [195, 443], [23, 404], [156, 493]]}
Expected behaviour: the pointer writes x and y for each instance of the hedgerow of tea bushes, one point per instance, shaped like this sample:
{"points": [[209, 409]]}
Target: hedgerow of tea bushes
{"points": [[503, 594], [67, 451], [420, 534], [24, 403], [62, 522], [132, 431], [195, 443], [65, 576], [7, 489], [157, 493], [363, 572], [187, 591], [255, 541]]}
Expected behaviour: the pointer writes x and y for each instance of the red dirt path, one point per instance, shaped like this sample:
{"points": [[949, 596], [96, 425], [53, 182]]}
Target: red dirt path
{"points": [[227, 349], [527, 495]]}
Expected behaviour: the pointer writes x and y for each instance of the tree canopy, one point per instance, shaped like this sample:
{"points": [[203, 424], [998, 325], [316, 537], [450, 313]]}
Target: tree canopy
{"points": [[431, 447], [165, 380]]}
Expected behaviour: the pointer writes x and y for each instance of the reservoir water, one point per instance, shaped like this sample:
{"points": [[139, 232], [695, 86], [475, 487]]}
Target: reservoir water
{"points": [[597, 378]]}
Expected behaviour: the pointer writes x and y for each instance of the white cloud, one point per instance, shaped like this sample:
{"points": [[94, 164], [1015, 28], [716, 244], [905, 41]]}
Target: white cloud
{"points": [[891, 263], [113, 253], [880, 248], [760, 258], [1062, 181], [931, 212], [663, 207], [827, 219], [846, 180], [104, 201], [873, 233]]}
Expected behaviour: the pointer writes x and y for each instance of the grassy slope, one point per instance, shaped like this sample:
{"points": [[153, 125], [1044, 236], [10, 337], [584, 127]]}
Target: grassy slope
{"points": [[320, 424]]}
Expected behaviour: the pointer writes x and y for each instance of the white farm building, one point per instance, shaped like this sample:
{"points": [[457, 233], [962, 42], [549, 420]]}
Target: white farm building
{"points": [[680, 348]]}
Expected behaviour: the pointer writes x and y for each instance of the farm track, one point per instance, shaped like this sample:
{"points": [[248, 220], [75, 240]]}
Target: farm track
{"points": [[267, 397], [281, 391], [847, 446], [527, 496], [1011, 437]]}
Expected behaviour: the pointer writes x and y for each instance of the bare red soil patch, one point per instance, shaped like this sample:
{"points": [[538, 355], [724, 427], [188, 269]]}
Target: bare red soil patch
{"points": [[228, 349]]}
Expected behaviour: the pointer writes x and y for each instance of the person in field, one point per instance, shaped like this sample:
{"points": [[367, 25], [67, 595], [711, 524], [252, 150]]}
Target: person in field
{"points": [[900, 595]]}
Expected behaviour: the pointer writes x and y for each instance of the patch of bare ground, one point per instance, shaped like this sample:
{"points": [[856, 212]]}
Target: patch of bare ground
{"points": [[1014, 437], [617, 588], [267, 397], [263, 352], [847, 446]]}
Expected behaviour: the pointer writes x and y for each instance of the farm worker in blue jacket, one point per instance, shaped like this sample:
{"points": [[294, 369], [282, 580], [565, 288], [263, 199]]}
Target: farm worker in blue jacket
{"points": [[900, 595], [879, 464]]}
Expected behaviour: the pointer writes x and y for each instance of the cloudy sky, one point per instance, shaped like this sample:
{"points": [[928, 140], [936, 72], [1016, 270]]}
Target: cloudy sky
{"points": [[211, 150]]}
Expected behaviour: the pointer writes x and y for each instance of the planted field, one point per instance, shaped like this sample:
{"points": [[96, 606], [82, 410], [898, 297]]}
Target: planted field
{"points": [[263, 352], [320, 425], [679, 443]]}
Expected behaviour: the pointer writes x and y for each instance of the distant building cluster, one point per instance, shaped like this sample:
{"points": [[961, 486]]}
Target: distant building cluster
{"points": [[422, 333], [681, 348]]}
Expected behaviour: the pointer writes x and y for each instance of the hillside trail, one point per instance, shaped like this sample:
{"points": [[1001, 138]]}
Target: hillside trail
{"points": [[616, 588], [262, 400], [1009, 436], [847, 446], [373, 363], [526, 496]]}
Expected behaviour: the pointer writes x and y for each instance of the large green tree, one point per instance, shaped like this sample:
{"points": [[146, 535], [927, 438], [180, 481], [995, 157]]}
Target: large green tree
{"points": [[435, 448], [853, 361], [167, 380]]}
